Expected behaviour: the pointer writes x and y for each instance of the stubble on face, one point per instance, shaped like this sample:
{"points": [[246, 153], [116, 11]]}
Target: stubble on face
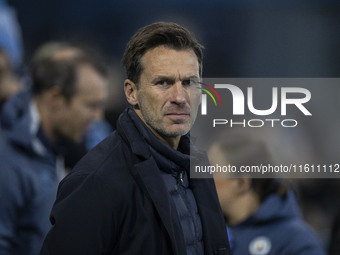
{"points": [[160, 125], [164, 99]]}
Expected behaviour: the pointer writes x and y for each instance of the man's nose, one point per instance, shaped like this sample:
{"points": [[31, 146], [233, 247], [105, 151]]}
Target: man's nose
{"points": [[178, 93]]}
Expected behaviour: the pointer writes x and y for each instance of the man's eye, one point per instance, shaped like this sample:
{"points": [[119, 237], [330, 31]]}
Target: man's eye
{"points": [[162, 83], [189, 82]]}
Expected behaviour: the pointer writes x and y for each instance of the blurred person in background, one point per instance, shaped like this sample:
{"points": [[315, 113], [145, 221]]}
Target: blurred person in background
{"points": [[99, 128], [67, 95], [11, 51], [132, 194], [9, 82], [262, 215]]}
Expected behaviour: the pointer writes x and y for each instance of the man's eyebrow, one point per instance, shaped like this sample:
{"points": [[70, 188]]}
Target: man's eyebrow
{"points": [[163, 77], [189, 76], [173, 78]]}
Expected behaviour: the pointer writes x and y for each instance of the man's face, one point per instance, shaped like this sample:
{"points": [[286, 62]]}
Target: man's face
{"points": [[86, 105], [167, 92]]}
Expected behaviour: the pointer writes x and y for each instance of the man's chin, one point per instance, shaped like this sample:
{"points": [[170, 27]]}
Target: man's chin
{"points": [[176, 132]]}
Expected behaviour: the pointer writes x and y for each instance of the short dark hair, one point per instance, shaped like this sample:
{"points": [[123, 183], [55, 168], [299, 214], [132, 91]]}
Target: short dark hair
{"points": [[157, 34], [49, 72]]}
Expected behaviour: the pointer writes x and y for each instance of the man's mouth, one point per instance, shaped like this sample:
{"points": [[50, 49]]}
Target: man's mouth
{"points": [[178, 117]]}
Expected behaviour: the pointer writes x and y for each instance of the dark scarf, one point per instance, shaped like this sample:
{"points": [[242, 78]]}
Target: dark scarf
{"points": [[168, 159]]}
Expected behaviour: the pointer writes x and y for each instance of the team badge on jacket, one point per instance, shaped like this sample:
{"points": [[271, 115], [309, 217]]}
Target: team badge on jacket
{"points": [[260, 246]]}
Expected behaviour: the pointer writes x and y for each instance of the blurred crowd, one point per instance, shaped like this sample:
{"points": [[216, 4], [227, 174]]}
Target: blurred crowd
{"points": [[64, 94]]}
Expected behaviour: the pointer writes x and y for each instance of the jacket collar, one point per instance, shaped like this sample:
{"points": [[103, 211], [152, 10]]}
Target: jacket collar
{"points": [[167, 158], [147, 175], [20, 122], [127, 129], [274, 207], [17, 121]]}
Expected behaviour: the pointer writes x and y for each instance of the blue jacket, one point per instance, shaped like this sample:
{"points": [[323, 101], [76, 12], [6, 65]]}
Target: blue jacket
{"points": [[10, 34], [275, 229], [28, 181], [115, 202]]}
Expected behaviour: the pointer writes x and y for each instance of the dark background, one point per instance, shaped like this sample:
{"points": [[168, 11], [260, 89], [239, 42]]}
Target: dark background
{"points": [[242, 38]]}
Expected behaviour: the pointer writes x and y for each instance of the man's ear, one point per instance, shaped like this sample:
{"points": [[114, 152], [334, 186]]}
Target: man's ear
{"points": [[54, 97], [130, 90]]}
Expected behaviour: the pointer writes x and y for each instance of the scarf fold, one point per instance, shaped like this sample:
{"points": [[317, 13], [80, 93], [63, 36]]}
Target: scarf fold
{"points": [[168, 159]]}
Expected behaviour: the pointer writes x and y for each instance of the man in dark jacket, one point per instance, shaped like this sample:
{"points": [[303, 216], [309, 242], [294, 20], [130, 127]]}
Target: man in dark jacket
{"points": [[67, 95], [132, 194], [262, 214]]}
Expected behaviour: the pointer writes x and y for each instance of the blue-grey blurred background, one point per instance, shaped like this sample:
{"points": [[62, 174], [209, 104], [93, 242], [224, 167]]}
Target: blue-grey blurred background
{"points": [[242, 38]]}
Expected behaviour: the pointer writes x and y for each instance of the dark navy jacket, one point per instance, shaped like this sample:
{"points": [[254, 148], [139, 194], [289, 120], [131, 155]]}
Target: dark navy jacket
{"points": [[275, 229], [115, 202], [28, 182]]}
